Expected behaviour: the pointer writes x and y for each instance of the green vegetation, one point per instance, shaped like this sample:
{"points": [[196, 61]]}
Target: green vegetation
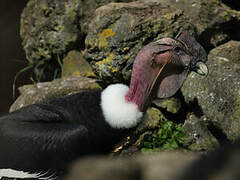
{"points": [[44, 70], [169, 136]]}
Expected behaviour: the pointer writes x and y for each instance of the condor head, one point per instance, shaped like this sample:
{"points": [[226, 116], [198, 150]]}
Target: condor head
{"points": [[161, 67]]}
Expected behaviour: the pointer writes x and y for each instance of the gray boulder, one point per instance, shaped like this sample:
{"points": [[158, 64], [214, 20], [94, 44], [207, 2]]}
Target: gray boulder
{"points": [[218, 95]]}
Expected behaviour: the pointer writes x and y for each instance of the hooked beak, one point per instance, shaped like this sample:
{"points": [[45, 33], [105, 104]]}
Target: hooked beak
{"points": [[201, 68]]}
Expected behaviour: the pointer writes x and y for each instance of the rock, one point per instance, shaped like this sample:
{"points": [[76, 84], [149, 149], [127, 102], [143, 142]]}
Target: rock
{"points": [[218, 95], [75, 65], [215, 22], [35, 93], [152, 119], [51, 28], [88, 8], [220, 164], [172, 105], [104, 169], [119, 30], [199, 136], [163, 165]]}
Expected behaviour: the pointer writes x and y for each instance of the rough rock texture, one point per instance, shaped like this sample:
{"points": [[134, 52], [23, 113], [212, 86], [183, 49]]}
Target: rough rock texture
{"points": [[215, 22], [172, 105], [31, 94], [51, 28], [120, 30], [199, 136], [163, 165], [88, 8], [218, 95], [75, 65]]}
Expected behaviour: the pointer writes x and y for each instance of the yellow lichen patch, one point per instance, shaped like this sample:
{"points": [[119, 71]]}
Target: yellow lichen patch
{"points": [[107, 63], [126, 57], [107, 60], [102, 37], [115, 69], [125, 49], [44, 7]]}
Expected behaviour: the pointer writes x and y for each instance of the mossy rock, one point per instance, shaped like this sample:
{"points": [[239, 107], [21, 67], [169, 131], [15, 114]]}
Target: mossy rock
{"points": [[172, 105], [51, 28], [75, 65]]}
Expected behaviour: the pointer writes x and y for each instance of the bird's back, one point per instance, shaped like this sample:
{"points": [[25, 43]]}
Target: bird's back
{"points": [[51, 134]]}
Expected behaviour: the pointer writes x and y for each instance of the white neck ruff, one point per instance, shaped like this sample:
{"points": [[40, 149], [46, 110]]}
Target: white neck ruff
{"points": [[117, 111]]}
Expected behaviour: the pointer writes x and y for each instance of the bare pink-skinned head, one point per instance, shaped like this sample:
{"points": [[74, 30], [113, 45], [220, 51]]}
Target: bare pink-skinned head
{"points": [[161, 67]]}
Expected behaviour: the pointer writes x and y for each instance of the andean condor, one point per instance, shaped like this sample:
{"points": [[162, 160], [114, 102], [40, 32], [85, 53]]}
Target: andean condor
{"points": [[40, 140]]}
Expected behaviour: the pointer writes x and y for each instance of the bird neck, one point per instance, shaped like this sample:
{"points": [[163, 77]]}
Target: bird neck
{"points": [[137, 95]]}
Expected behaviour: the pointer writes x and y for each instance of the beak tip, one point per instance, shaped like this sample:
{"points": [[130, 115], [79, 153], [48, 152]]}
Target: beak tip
{"points": [[201, 69]]}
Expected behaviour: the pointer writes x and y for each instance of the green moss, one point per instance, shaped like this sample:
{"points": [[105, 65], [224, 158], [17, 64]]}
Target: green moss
{"points": [[168, 136]]}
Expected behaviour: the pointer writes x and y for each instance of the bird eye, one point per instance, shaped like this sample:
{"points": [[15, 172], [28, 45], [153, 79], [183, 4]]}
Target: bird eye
{"points": [[177, 49]]}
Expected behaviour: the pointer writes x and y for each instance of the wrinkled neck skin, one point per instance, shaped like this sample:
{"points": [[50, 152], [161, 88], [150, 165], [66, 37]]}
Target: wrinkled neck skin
{"points": [[139, 93], [136, 95]]}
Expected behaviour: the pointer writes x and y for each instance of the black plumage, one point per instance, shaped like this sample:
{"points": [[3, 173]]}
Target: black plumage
{"points": [[55, 132]]}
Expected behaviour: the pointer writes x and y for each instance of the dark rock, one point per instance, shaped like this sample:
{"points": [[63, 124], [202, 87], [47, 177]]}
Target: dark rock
{"points": [[218, 95], [199, 136], [234, 4], [120, 30], [35, 93], [218, 165], [163, 165]]}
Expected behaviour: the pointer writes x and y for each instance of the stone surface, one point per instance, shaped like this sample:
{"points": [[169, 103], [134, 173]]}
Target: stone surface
{"points": [[163, 165], [172, 105], [119, 30], [199, 136], [75, 65], [31, 94], [218, 95], [49, 28], [88, 9], [215, 22]]}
